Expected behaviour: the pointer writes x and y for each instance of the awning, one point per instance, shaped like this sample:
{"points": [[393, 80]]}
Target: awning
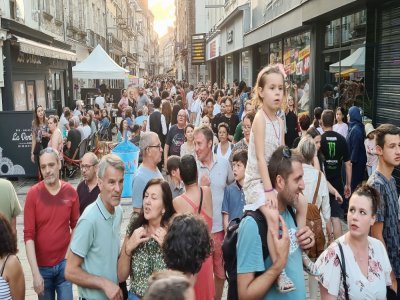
{"points": [[346, 72], [356, 60], [31, 47]]}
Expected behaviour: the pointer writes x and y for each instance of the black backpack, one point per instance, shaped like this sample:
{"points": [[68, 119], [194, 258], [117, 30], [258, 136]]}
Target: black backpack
{"points": [[229, 250]]}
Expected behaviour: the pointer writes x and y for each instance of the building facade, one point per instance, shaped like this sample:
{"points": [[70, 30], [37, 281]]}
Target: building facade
{"points": [[348, 44], [42, 40]]}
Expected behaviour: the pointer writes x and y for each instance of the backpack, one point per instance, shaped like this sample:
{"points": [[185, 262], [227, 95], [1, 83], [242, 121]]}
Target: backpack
{"points": [[229, 250], [314, 222]]}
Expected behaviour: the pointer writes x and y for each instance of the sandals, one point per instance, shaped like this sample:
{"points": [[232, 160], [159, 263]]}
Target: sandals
{"points": [[309, 266], [285, 284]]}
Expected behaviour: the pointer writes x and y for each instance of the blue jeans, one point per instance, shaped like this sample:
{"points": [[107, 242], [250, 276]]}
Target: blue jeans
{"points": [[54, 282]]}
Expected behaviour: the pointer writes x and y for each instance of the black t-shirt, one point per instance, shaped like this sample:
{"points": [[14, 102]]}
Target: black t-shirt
{"points": [[232, 122], [175, 139], [86, 197], [335, 151], [74, 136]]}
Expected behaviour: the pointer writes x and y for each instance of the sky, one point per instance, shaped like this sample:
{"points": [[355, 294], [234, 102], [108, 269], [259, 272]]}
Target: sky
{"points": [[164, 15]]}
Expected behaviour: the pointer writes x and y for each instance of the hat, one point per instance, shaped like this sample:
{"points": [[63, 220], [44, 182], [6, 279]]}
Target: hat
{"points": [[369, 128]]}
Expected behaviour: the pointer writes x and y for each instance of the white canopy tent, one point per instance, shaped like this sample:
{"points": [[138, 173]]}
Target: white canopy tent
{"points": [[356, 60], [99, 65]]}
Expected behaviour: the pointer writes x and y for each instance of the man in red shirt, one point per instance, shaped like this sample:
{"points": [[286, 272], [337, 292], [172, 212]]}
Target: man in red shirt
{"points": [[50, 214]]}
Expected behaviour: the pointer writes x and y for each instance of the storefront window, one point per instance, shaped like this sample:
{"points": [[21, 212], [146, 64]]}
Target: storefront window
{"points": [[344, 62], [296, 62], [275, 50], [245, 66], [40, 93], [19, 96]]}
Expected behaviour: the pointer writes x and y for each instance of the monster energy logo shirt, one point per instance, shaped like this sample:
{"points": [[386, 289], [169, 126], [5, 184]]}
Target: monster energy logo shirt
{"points": [[334, 148]]}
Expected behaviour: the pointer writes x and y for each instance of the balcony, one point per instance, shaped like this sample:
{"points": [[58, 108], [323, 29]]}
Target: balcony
{"points": [[114, 42]]}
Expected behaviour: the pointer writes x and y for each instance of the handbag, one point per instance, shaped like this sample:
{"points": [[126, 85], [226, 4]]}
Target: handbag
{"points": [[342, 264], [314, 222]]}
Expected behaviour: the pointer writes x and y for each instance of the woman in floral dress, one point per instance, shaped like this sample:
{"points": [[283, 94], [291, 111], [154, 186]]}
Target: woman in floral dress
{"points": [[141, 253], [366, 261]]}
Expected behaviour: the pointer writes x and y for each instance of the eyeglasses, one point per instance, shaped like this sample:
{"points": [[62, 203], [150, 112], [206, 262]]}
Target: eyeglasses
{"points": [[86, 167], [286, 152], [155, 146]]}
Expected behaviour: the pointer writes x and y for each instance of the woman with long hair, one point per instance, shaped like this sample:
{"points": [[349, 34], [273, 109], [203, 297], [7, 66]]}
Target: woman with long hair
{"points": [[40, 133], [104, 123], [141, 253], [56, 140], [166, 110], [12, 281]]}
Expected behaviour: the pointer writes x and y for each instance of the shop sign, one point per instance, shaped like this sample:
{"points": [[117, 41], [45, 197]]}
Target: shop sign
{"points": [[16, 144], [29, 59], [198, 49], [213, 48]]}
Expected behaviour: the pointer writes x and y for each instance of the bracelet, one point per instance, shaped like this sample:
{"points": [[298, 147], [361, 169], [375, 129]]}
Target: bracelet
{"points": [[269, 190], [127, 253]]}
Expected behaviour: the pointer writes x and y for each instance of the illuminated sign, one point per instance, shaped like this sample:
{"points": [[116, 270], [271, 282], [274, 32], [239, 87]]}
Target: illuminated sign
{"points": [[198, 49]]}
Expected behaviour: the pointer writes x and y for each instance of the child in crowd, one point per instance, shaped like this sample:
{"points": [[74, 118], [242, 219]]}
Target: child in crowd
{"points": [[370, 148], [174, 177], [234, 201], [267, 134]]}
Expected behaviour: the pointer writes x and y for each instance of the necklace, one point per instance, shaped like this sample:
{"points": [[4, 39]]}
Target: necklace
{"points": [[277, 134]]}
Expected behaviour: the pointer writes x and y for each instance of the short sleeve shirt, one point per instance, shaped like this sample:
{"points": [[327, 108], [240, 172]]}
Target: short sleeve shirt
{"points": [[9, 204], [334, 148], [360, 287], [250, 257], [388, 213], [142, 177], [96, 239], [175, 139], [234, 201], [220, 175]]}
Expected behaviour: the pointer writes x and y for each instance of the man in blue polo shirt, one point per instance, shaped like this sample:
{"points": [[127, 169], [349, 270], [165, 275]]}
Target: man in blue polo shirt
{"points": [[93, 254]]}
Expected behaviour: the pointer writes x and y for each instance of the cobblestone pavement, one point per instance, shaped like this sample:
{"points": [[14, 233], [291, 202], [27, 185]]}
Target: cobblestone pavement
{"points": [[22, 186]]}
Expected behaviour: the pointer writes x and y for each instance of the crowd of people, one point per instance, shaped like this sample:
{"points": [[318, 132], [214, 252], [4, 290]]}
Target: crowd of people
{"points": [[210, 159]]}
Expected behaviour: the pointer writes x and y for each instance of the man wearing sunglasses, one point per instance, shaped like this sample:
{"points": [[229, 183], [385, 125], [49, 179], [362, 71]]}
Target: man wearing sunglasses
{"points": [[51, 213]]}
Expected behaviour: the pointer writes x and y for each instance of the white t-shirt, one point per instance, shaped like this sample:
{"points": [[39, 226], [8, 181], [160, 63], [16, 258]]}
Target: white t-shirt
{"points": [[100, 101]]}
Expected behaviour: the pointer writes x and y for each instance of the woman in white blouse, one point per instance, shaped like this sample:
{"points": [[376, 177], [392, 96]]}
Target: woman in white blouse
{"points": [[366, 261], [224, 147]]}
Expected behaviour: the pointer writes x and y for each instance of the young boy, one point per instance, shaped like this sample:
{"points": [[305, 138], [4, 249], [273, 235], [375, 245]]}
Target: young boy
{"points": [[174, 177], [233, 203]]}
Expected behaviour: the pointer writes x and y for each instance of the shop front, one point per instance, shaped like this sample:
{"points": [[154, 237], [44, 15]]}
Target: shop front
{"points": [[292, 52], [214, 61], [35, 71]]}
